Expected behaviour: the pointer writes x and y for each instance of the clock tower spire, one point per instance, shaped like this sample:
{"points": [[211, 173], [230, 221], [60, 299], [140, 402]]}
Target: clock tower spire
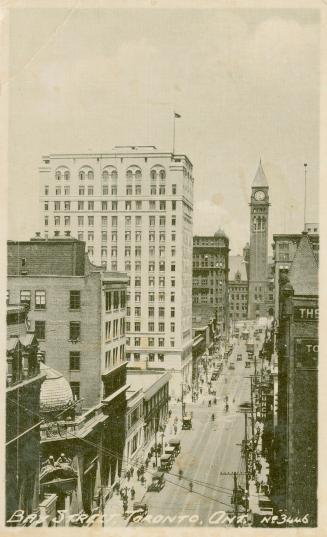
{"points": [[258, 273]]}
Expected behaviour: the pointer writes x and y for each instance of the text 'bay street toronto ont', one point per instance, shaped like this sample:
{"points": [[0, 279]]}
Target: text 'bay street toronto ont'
{"points": [[162, 358]]}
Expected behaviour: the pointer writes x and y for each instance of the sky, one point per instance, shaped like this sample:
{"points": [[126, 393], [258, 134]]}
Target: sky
{"points": [[245, 82]]}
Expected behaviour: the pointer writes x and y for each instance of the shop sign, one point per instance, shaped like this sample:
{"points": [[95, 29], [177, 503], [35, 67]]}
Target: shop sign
{"points": [[306, 313], [306, 353]]}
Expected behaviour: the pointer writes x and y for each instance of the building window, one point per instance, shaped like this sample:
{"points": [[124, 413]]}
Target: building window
{"points": [[151, 297], [151, 312], [161, 327], [172, 297], [105, 190], [104, 236], [46, 190], [151, 327], [172, 343], [25, 297], [114, 221], [90, 175], [161, 357], [75, 387], [128, 205], [74, 330], [67, 220], [39, 329], [57, 205], [137, 311], [74, 360], [46, 205], [161, 312], [138, 205], [104, 206], [173, 189], [161, 342], [172, 312], [151, 357], [172, 327], [80, 205], [90, 191], [162, 206], [81, 191], [108, 301], [81, 175], [137, 326], [58, 191], [40, 302], [137, 341], [90, 236], [80, 220], [74, 300], [136, 356], [161, 297], [129, 190], [90, 206], [152, 205], [173, 205]]}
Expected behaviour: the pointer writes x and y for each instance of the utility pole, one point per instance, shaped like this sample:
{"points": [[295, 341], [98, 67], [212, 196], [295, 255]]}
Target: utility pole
{"points": [[155, 441], [235, 493], [182, 400], [252, 429]]}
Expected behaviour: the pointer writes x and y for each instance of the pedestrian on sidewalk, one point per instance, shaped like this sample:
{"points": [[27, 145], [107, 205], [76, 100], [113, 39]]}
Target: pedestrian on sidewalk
{"points": [[132, 493], [132, 471], [175, 429]]}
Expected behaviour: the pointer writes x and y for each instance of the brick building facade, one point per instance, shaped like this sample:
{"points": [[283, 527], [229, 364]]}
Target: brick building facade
{"points": [[77, 311]]}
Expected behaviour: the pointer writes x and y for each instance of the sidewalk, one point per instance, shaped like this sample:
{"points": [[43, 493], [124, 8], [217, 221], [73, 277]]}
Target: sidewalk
{"points": [[113, 510]]}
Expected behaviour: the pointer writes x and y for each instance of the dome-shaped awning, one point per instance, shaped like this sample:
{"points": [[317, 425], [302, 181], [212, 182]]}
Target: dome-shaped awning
{"points": [[56, 394]]}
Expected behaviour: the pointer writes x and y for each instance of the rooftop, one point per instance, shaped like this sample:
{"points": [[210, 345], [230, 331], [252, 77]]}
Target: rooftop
{"points": [[148, 380], [303, 274]]}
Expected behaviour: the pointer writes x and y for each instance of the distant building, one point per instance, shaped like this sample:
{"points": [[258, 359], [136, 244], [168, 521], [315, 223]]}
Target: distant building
{"points": [[210, 280], [295, 468], [134, 210], [77, 311], [258, 261], [238, 287], [23, 380]]}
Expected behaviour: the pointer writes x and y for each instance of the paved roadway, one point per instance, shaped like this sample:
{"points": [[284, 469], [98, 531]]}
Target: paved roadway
{"points": [[209, 449]]}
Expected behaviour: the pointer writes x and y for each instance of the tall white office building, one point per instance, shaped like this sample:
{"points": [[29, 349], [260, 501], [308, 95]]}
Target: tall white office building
{"points": [[134, 210]]}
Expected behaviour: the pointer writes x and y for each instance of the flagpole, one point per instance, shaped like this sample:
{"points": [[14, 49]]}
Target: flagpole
{"points": [[175, 116], [174, 134]]}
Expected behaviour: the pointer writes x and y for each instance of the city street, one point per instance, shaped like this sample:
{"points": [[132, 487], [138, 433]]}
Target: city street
{"points": [[208, 451]]}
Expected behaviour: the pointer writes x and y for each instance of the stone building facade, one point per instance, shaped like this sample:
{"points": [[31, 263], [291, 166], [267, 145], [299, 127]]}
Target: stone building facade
{"points": [[134, 210]]}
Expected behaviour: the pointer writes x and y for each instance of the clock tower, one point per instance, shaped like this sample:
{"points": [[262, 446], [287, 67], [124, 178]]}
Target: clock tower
{"points": [[258, 273]]}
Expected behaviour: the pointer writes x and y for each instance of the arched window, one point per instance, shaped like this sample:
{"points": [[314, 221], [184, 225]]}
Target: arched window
{"points": [[114, 175], [162, 175], [66, 175], [58, 175], [138, 175], [129, 175], [153, 175], [105, 175], [82, 175], [90, 174]]}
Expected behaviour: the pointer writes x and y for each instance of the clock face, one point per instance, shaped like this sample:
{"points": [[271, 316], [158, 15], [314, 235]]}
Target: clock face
{"points": [[259, 195]]}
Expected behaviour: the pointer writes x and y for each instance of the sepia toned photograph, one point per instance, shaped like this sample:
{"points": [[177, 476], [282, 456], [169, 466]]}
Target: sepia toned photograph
{"points": [[162, 258]]}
